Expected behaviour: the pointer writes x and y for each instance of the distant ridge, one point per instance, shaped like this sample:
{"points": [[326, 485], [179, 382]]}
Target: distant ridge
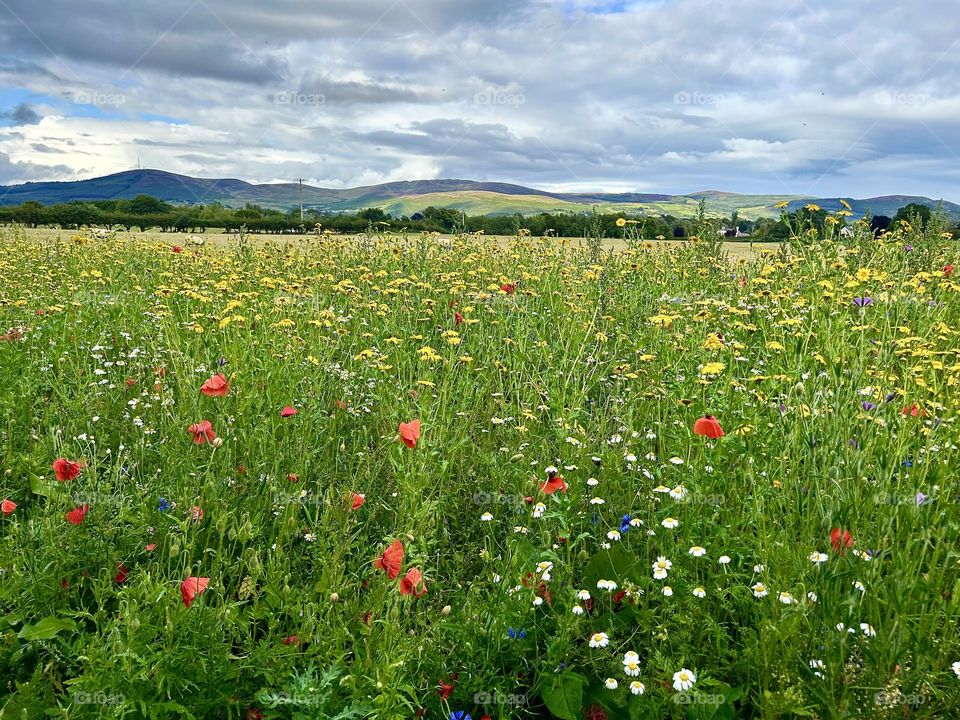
{"points": [[408, 197]]}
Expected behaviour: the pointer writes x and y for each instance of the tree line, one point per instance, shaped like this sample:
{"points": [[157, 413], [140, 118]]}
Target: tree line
{"points": [[147, 213]]}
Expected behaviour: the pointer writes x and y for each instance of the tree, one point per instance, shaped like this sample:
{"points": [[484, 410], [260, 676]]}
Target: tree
{"points": [[146, 205], [879, 224], [373, 215], [911, 212]]}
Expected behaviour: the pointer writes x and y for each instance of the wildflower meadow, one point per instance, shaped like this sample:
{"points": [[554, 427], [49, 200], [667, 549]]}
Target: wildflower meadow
{"points": [[416, 477]]}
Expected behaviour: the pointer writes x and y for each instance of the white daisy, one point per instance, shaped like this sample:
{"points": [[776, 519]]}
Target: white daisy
{"points": [[599, 640], [611, 684], [670, 523], [683, 679], [699, 592], [698, 551], [637, 687], [759, 590]]}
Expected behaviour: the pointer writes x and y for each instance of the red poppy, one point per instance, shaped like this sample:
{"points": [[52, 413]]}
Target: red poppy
{"points": [[708, 426], [7, 506], [391, 560], [216, 386], [340, 404], [177, 249], [840, 540], [288, 412], [446, 690], [948, 270], [457, 318], [293, 477], [509, 288], [254, 714], [192, 588], [122, 572], [291, 640], [196, 513], [410, 433], [413, 583], [202, 432], [914, 411], [554, 483], [66, 469], [75, 516], [356, 500], [151, 547]]}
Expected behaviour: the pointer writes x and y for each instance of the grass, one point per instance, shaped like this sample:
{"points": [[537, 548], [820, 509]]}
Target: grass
{"points": [[840, 444]]}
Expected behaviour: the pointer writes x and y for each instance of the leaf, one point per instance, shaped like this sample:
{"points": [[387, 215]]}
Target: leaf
{"points": [[39, 487], [47, 628], [614, 564], [564, 696]]}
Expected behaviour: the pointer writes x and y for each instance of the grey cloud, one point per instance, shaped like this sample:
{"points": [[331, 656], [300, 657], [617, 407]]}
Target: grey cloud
{"points": [[22, 114]]}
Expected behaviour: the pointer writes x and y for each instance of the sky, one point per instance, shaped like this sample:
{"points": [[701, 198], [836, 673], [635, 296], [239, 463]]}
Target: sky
{"points": [[785, 97]]}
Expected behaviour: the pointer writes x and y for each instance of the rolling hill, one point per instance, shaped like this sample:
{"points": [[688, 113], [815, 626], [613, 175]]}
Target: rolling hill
{"points": [[408, 197]]}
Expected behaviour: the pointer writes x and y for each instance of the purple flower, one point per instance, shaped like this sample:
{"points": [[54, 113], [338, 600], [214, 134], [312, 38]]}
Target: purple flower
{"points": [[862, 301], [889, 397], [868, 406], [921, 498], [908, 248]]}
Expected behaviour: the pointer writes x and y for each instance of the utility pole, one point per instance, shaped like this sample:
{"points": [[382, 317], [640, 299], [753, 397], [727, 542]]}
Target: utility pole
{"points": [[301, 199]]}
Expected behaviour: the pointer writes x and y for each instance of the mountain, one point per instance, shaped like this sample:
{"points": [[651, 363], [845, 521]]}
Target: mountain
{"points": [[408, 197]]}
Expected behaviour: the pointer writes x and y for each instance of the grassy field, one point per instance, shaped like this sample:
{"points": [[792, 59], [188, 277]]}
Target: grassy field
{"points": [[739, 250], [393, 478]]}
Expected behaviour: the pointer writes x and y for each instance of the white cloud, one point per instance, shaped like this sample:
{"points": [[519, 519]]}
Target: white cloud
{"points": [[671, 96]]}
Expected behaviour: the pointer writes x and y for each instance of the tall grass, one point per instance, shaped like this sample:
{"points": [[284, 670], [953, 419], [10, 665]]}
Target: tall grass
{"points": [[832, 368]]}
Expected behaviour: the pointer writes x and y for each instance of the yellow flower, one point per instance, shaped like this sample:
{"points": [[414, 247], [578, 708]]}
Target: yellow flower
{"points": [[621, 222], [713, 368]]}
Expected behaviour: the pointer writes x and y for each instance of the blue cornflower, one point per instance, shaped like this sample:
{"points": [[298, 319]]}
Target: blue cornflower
{"points": [[625, 523], [460, 715], [514, 635], [164, 505]]}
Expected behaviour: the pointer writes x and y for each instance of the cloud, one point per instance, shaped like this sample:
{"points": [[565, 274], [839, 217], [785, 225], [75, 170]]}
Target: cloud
{"points": [[799, 97], [22, 114]]}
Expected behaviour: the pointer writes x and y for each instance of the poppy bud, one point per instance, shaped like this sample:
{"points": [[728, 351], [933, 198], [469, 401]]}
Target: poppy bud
{"points": [[334, 597], [446, 610]]}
